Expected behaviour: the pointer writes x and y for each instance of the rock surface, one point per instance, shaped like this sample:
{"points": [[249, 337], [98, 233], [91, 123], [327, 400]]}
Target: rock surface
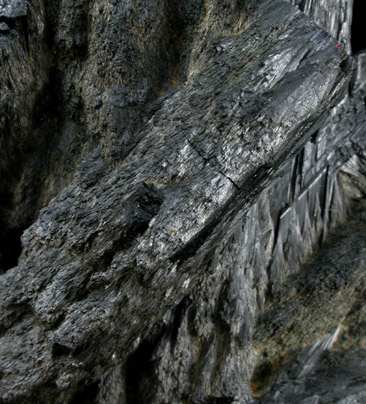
{"points": [[171, 167]]}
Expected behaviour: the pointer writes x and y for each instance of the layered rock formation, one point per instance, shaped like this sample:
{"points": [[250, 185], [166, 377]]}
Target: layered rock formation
{"points": [[171, 167]]}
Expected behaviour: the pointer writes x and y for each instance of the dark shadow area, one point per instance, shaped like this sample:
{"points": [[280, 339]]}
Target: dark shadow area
{"points": [[358, 34], [10, 248], [139, 375], [216, 400], [86, 394]]}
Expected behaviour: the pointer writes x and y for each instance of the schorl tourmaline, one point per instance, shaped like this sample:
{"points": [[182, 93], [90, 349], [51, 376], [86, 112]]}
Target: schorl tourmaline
{"points": [[182, 197]]}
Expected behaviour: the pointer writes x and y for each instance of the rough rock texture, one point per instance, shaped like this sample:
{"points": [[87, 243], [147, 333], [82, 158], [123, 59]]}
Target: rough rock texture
{"points": [[334, 17], [172, 167], [330, 291]]}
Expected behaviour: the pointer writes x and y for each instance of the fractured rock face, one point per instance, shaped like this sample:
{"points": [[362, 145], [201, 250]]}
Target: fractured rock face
{"points": [[334, 17], [171, 168], [13, 8]]}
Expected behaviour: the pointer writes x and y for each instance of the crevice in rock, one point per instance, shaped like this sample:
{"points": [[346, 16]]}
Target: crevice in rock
{"points": [[178, 317], [86, 394], [139, 375], [182, 20], [192, 246], [22, 186], [10, 22], [59, 350], [23, 22], [208, 160], [20, 205], [10, 248], [172, 44], [231, 180], [51, 21], [358, 40], [48, 111]]}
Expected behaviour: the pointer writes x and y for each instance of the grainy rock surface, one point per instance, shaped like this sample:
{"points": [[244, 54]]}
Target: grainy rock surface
{"points": [[171, 167]]}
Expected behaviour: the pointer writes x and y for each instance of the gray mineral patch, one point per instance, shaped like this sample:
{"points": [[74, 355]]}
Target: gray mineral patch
{"points": [[13, 8]]}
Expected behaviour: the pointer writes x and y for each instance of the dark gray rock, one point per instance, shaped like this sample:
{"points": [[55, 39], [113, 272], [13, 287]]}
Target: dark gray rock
{"points": [[334, 17], [4, 27], [13, 8], [171, 168]]}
